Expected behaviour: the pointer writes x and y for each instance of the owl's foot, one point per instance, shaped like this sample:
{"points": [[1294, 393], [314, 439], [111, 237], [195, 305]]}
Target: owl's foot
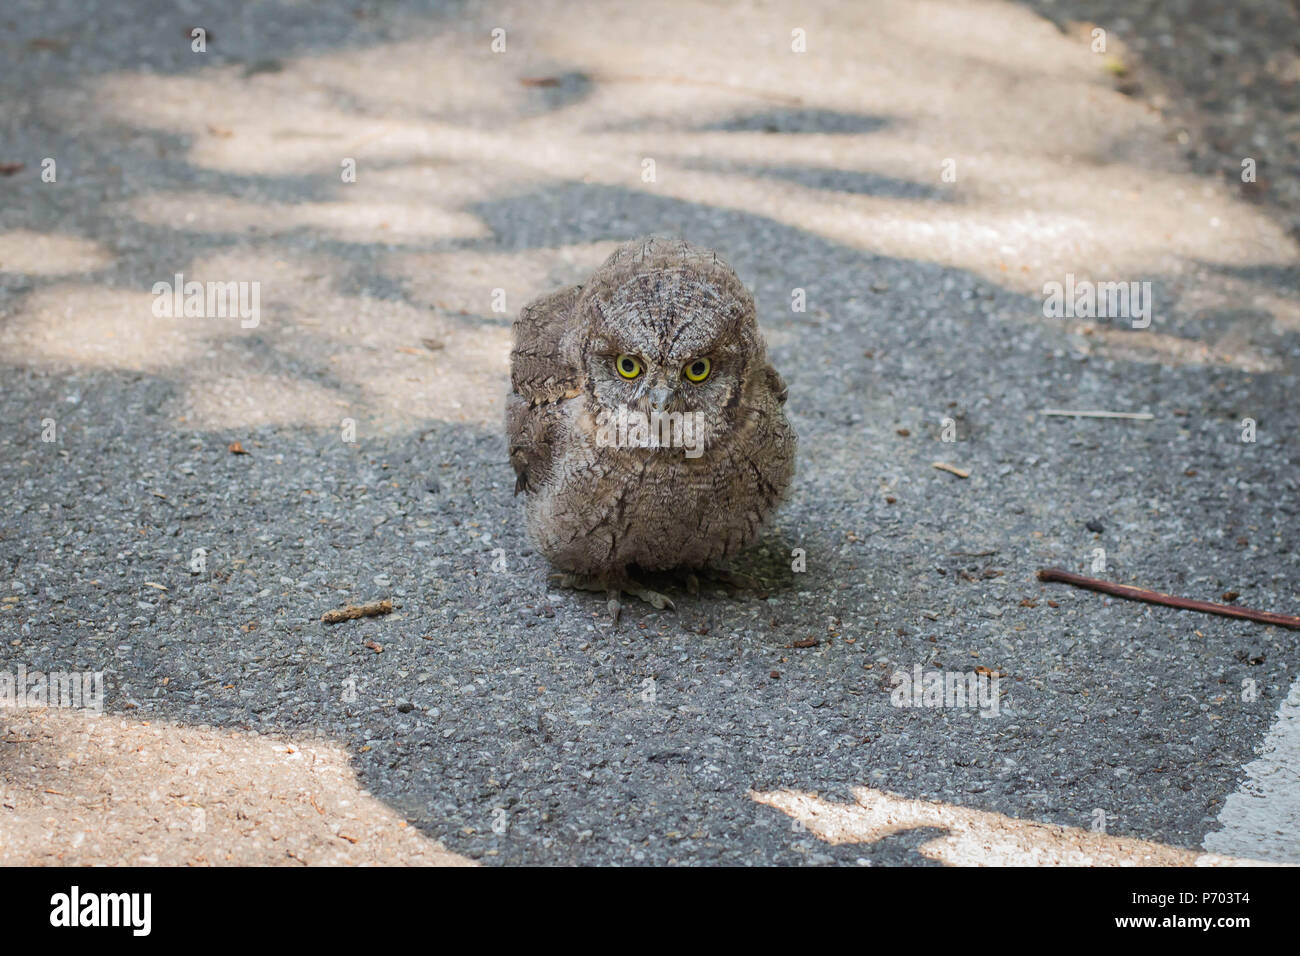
{"points": [[732, 579], [613, 585]]}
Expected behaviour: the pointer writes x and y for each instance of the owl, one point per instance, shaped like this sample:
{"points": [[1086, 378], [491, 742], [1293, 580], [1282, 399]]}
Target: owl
{"points": [[646, 429]]}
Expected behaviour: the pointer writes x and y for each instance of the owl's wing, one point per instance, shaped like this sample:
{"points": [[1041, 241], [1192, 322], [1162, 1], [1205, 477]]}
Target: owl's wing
{"points": [[539, 369], [531, 431], [541, 374], [777, 384]]}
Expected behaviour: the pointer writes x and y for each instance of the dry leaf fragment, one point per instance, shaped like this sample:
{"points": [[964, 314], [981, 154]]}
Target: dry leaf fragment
{"points": [[237, 449], [951, 469]]}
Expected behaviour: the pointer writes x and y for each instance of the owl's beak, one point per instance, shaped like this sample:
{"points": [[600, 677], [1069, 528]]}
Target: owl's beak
{"points": [[659, 398]]}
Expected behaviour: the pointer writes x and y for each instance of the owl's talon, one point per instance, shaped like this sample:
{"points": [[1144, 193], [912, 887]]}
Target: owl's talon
{"points": [[577, 582], [613, 587], [659, 601]]}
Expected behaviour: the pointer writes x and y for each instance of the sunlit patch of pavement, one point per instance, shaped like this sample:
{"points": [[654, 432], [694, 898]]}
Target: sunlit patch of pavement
{"points": [[81, 790], [976, 837]]}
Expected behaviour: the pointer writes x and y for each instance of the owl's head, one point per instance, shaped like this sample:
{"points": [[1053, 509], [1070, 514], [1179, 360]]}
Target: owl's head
{"points": [[670, 328]]}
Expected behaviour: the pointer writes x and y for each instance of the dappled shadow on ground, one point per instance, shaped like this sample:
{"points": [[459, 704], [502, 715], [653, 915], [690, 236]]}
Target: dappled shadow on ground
{"points": [[483, 180], [1224, 77]]}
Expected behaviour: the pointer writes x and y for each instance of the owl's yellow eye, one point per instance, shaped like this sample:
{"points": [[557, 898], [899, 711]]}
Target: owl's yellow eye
{"points": [[698, 370], [628, 366]]}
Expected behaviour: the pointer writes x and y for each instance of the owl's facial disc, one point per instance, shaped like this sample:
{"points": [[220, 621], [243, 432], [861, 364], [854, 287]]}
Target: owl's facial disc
{"points": [[693, 365]]}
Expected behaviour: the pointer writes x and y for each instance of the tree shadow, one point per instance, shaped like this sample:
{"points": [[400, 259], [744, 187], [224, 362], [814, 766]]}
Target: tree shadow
{"points": [[793, 120], [831, 179]]}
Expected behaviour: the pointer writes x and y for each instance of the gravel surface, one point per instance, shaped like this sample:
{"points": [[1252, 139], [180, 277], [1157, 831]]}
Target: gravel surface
{"points": [[511, 724]]}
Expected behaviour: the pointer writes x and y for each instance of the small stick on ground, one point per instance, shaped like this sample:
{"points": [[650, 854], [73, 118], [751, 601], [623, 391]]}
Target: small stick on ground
{"points": [[1135, 416], [352, 611], [1168, 600], [951, 469]]}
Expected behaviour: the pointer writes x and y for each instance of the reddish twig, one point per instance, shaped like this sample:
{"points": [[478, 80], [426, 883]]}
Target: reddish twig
{"points": [[1168, 600]]}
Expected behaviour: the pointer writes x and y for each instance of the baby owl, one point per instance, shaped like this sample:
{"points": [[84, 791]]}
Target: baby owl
{"points": [[644, 423]]}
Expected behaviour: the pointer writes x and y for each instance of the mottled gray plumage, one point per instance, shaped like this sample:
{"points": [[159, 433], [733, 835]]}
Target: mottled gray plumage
{"points": [[594, 509]]}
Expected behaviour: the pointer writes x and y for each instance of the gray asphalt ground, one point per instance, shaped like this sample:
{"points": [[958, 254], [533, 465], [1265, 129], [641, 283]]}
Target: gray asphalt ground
{"points": [[511, 724]]}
